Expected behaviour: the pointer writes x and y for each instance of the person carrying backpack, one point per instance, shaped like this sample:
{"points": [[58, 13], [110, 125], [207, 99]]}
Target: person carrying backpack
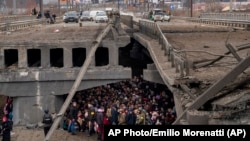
{"points": [[47, 121]]}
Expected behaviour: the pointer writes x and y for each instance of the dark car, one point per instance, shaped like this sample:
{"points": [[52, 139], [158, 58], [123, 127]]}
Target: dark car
{"points": [[71, 16]]}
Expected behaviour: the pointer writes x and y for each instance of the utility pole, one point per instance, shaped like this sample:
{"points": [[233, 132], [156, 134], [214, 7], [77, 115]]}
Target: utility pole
{"points": [[148, 5], [41, 6], [59, 7], [67, 1], [191, 8], [163, 2], [118, 4], [14, 7], [231, 6]]}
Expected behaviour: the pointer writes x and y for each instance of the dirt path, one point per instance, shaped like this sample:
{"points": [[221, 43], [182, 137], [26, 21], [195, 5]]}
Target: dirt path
{"points": [[21, 133]]}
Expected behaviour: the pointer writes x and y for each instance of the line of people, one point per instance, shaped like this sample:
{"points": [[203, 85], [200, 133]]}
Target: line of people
{"points": [[130, 102], [7, 120]]}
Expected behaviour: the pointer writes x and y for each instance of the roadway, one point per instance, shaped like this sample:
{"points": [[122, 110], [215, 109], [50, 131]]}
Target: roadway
{"points": [[53, 32]]}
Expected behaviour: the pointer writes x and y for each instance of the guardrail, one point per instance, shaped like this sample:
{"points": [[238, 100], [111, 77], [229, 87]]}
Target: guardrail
{"points": [[153, 30], [20, 24], [222, 22], [12, 18], [226, 16], [127, 20]]}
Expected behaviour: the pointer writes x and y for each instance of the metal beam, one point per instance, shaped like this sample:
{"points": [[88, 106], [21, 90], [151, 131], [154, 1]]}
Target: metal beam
{"points": [[78, 81], [216, 87], [233, 50]]}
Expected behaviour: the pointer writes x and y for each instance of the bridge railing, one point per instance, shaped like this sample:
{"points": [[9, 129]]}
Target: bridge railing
{"points": [[20, 24], [127, 20], [226, 16], [221, 22], [13, 18], [177, 60]]}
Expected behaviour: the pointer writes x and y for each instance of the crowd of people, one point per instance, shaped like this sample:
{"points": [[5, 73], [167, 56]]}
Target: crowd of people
{"points": [[7, 122], [129, 102]]}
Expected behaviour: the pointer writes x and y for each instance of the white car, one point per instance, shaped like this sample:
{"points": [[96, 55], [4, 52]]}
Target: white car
{"points": [[85, 16], [101, 17], [92, 14], [159, 16]]}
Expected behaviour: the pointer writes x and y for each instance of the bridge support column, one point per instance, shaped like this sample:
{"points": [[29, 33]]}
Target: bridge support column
{"points": [[22, 57], [1, 59], [113, 54], [30, 109], [152, 74], [92, 63], [67, 58], [45, 57]]}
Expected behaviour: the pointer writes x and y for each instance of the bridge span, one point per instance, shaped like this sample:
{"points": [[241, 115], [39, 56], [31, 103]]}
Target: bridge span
{"points": [[40, 63]]}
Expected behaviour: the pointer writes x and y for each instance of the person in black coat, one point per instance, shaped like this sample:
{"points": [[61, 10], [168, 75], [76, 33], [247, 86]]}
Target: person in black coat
{"points": [[6, 129], [47, 121]]}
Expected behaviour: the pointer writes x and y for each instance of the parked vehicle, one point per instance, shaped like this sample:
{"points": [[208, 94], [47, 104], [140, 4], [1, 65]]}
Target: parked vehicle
{"points": [[85, 16], [92, 14], [101, 17], [145, 15], [155, 11], [70, 16], [160, 16]]}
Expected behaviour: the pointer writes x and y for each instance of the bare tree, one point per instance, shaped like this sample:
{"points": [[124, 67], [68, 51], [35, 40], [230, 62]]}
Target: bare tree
{"points": [[213, 5]]}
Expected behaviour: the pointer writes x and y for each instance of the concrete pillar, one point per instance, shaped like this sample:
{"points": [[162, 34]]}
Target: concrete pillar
{"points": [[2, 59], [113, 54], [45, 57], [30, 109], [67, 58], [22, 57], [93, 59]]}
